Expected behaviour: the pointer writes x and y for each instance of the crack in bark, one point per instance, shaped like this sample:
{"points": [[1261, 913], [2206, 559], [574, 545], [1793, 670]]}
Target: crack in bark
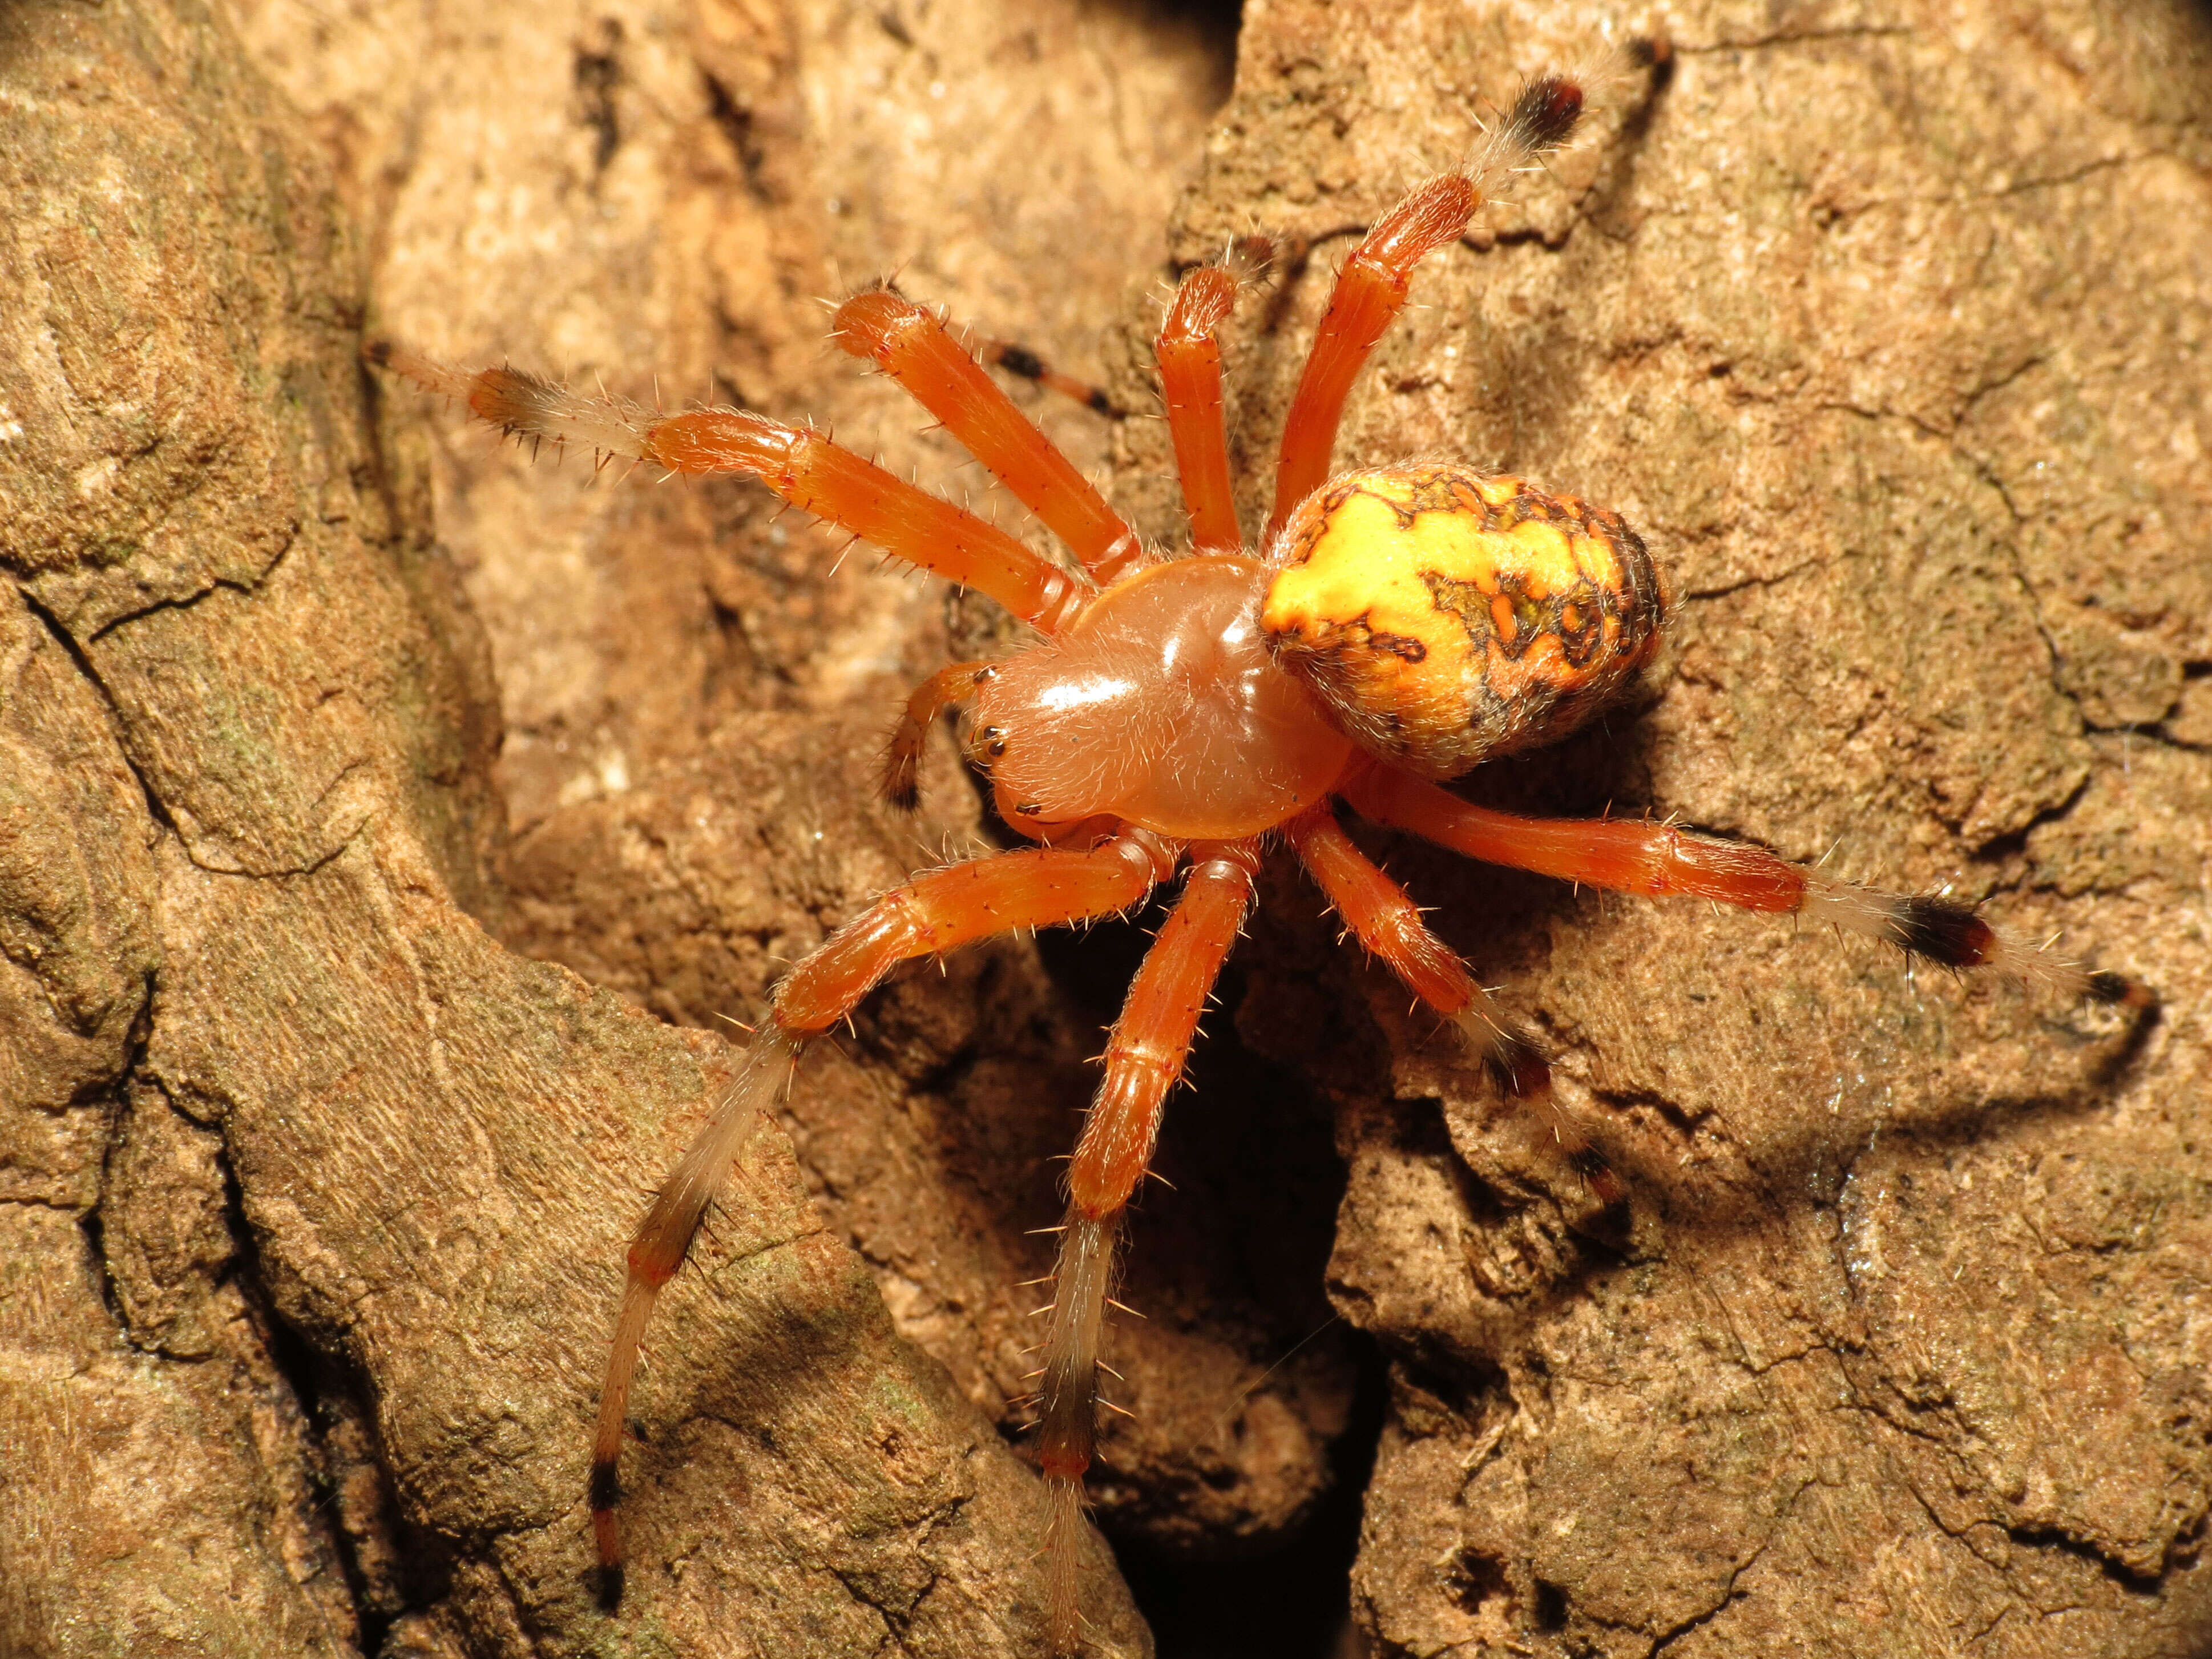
{"points": [[219, 584], [157, 808], [1726, 589], [1728, 1591], [2021, 187]]}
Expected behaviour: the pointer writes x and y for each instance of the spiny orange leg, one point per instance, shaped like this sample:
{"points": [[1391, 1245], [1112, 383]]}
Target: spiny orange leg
{"points": [[1658, 861], [1190, 383], [1389, 924], [1020, 360], [1371, 289], [1032, 887], [914, 349], [1144, 1057], [902, 784], [798, 462]]}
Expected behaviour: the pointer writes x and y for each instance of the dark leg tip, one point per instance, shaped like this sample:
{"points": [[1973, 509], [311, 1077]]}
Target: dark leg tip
{"points": [[1944, 930], [1598, 1176], [1252, 257], [1547, 112], [1517, 1067], [2108, 986], [610, 1588]]}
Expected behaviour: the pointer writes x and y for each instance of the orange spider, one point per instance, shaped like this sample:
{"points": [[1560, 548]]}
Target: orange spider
{"points": [[1392, 628]]}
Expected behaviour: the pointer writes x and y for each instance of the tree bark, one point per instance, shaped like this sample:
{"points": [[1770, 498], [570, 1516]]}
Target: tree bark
{"points": [[389, 822]]}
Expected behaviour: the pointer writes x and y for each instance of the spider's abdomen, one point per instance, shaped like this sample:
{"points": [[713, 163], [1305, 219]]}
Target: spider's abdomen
{"points": [[1443, 617], [1161, 706]]}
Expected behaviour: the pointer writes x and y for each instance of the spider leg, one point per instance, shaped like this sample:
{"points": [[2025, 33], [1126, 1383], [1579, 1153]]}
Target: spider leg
{"points": [[1657, 860], [902, 759], [911, 346], [1144, 1055], [798, 462], [1389, 924], [1371, 289], [1030, 887], [1190, 383]]}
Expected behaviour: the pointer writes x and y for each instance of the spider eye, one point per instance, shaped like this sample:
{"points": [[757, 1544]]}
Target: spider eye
{"points": [[1442, 616]]}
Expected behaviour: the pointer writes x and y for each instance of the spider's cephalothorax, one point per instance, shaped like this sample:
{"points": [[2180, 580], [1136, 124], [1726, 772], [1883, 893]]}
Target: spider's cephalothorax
{"points": [[1394, 627]]}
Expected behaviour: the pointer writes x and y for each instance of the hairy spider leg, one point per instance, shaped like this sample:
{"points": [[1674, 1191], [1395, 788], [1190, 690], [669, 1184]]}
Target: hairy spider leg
{"points": [[798, 462], [911, 346], [1029, 887], [1657, 860], [1389, 924], [1190, 383], [1371, 289], [950, 685], [1145, 1056]]}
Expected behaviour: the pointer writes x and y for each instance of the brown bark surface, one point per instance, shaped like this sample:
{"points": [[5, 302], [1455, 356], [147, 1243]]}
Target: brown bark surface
{"points": [[333, 738]]}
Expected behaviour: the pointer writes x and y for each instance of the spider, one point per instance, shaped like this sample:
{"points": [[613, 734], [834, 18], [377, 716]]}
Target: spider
{"points": [[1392, 628]]}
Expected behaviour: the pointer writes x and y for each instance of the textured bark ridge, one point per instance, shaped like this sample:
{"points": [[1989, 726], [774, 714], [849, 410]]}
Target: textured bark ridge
{"points": [[388, 825]]}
